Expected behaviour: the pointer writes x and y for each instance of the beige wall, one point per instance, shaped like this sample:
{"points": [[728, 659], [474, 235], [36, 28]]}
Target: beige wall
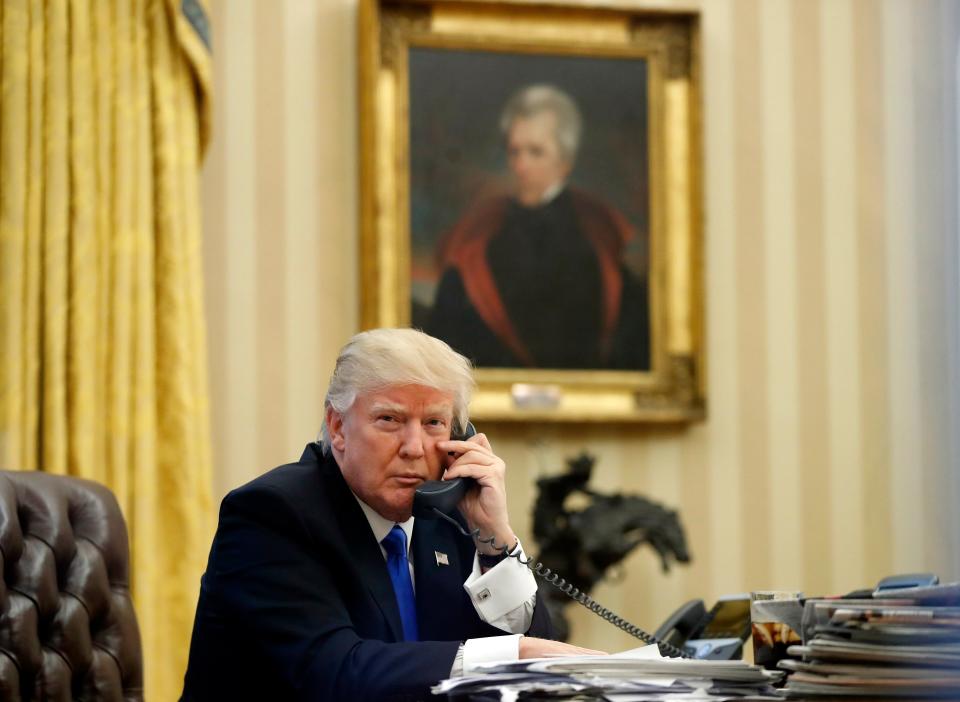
{"points": [[830, 454]]}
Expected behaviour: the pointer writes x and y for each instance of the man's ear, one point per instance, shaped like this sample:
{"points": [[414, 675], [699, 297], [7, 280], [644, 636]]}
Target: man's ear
{"points": [[335, 429]]}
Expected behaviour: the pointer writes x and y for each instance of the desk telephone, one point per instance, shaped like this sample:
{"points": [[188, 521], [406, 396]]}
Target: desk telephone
{"points": [[717, 634], [437, 498]]}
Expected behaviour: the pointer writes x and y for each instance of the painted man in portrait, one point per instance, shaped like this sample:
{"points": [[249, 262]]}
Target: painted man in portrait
{"points": [[535, 277]]}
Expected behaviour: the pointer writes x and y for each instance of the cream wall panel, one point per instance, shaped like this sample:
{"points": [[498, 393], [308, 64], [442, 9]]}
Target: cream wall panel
{"points": [[697, 482], [906, 492], [870, 163], [845, 490], [814, 429], [662, 468], [934, 110], [301, 69], [336, 202], [214, 194], [275, 252], [280, 224], [753, 422], [231, 226], [780, 247], [723, 543], [949, 479], [828, 456]]}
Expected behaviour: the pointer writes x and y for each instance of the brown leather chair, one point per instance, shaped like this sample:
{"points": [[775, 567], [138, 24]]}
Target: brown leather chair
{"points": [[67, 625]]}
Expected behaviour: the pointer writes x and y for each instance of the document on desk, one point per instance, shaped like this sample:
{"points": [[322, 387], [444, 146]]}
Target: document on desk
{"points": [[636, 675]]}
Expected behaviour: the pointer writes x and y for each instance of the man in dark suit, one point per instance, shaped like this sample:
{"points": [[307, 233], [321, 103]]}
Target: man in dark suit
{"points": [[322, 586]]}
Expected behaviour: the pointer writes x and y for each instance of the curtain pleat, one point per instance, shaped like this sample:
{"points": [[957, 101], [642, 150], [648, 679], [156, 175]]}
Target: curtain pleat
{"points": [[104, 82], [56, 250], [13, 161], [33, 239], [120, 200], [105, 114], [84, 274]]}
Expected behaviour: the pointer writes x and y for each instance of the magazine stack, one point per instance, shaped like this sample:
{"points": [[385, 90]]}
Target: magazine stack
{"points": [[907, 647]]}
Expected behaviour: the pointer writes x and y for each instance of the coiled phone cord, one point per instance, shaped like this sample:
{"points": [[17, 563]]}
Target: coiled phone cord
{"points": [[571, 591]]}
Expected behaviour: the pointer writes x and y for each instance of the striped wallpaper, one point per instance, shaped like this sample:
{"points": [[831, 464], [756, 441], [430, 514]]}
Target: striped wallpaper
{"points": [[831, 452]]}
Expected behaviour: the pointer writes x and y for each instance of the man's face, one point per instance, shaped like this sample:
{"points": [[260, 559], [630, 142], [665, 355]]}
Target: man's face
{"points": [[535, 157], [386, 445]]}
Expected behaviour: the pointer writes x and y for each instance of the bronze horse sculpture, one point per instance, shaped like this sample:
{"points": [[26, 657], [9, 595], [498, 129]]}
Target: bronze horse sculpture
{"points": [[582, 545]]}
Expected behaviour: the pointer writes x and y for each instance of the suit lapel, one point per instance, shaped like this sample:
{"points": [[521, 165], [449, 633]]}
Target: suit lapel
{"points": [[365, 552], [437, 582]]}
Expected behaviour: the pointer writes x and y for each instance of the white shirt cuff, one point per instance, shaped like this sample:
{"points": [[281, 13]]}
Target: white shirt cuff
{"points": [[489, 650], [501, 590]]}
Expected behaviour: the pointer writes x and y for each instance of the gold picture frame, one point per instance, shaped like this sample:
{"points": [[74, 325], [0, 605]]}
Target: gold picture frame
{"points": [[454, 45]]}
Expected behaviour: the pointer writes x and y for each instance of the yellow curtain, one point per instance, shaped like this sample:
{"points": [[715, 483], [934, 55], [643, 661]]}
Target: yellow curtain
{"points": [[103, 122]]}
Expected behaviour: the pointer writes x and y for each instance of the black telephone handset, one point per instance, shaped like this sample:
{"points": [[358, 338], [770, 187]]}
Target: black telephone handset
{"points": [[443, 495], [436, 498]]}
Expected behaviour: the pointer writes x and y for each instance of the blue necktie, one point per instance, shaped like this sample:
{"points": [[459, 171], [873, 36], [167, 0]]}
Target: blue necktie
{"points": [[395, 544]]}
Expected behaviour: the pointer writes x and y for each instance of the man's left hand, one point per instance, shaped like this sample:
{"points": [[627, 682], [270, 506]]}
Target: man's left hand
{"points": [[484, 507]]}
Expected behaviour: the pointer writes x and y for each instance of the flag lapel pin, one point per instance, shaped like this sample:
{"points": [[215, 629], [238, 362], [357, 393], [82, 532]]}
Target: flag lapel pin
{"points": [[441, 558]]}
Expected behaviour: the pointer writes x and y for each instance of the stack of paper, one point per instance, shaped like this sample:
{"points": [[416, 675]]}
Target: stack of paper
{"points": [[637, 675], [877, 650]]}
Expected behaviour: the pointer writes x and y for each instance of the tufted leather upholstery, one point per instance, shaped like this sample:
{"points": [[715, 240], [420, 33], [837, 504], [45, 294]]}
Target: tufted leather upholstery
{"points": [[67, 625]]}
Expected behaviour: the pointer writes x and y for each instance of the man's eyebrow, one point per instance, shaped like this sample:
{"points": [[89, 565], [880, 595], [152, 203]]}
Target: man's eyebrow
{"points": [[384, 407], [431, 410]]}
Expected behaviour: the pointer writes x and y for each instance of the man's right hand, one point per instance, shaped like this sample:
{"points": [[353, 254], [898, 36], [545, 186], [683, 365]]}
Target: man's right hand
{"points": [[532, 647]]}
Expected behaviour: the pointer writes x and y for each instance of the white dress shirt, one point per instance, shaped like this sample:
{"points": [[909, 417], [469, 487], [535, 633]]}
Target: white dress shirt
{"points": [[504, 597]]}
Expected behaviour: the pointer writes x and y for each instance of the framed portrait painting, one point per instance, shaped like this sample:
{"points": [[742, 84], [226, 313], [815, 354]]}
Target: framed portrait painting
{"points": [[530, 195]]}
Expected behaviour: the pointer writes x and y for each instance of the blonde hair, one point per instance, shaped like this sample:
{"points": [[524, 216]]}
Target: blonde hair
{"points": [[382, 358]]}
